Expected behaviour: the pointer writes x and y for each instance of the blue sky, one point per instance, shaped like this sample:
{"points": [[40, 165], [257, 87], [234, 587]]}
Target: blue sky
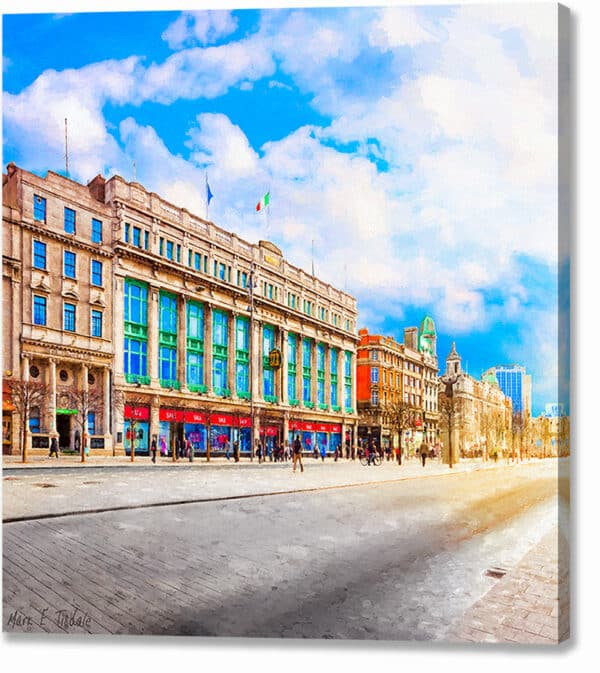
{"points": [[417, 146]]}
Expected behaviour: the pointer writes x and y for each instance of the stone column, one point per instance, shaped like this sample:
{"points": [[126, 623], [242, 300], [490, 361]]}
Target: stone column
{"points": [[328, 376], [340, 380], [182, 343], [25, 378], [257, 368], [52, 399], [283, 376], [313, 373], [208, 340], [299, 366], [118, 327], [353, 378], [231, 324], [107, 406], [286, 428], [154, 420], [153, 325]]}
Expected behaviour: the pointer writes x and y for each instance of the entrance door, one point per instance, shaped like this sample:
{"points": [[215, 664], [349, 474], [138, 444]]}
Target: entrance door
{"points": [[63, 427]]}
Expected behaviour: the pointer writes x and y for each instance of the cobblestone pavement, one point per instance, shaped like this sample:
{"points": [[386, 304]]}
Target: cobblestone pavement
{"points": [[529, 605], [44, 488], [395, 560]]}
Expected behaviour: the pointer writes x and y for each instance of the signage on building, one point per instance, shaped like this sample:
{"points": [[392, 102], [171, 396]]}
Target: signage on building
{"points": [[273, 261], [270, 431], [221, 419], [139, 413], [275, 358], [195, 417], [318, 427], [171, 415]]}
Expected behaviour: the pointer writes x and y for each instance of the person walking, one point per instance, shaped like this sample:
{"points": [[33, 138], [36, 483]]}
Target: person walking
{"points": [[227, 449], [236, 451], [163, 447], [153, 448], [53, 448], [424, 451], [297, 457], [189, 449], [323, 452]]}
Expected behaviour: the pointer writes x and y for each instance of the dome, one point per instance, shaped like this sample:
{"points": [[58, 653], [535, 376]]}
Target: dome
{"points": [[427, 325]]}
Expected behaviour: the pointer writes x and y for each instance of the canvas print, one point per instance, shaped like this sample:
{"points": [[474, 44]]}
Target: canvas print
{"points": [[285, 323]]}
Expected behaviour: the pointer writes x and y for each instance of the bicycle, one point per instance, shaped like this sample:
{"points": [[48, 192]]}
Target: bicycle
{"points": [[374, 459]]}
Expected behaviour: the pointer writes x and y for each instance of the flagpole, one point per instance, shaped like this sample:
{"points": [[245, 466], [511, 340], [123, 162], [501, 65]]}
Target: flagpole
{"points": [[206, 192]]}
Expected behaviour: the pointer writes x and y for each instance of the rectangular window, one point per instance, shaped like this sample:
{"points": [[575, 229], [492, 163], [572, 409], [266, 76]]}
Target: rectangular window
{"points": [[161, 246], [306, 353], [136, 303], [39, 208], [146, 240], [168, 313], [195, 321], [135, 357], [374, 397], [291, 386], [242, 382], [268, 383], [69, 221], [96, 273], [39, 310], [178, 253], [127, 232], [69, 263], [137, 237], [91, 423], [96, 231], [69, 317], [219, 375], [374, 374], [321, 391], [39, 255], [170, 250], [195, 368], [96, 323], [306, 388], [197, 258], [219, 328], [374, 355], [222, 270], [242, 332], [167, 364], [34, 420]]}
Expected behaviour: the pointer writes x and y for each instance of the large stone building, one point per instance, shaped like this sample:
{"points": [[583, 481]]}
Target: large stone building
{"points": [[481, 417], [57, 295], [205, 336], [392, 375]]}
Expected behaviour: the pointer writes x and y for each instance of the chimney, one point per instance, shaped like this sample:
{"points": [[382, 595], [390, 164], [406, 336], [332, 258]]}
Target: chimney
{"points": [[410, 338], [96, 187]]}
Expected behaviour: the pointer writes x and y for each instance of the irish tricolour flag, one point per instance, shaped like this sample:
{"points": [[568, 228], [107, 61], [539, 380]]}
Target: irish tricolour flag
{"points": [[263, 203]]}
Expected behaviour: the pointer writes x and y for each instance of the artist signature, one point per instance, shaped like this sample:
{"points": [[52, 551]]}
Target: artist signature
{"points": [[67, 620]]}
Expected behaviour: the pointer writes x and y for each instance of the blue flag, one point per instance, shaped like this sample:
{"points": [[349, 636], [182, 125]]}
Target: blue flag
{"points": [[209, 194]]}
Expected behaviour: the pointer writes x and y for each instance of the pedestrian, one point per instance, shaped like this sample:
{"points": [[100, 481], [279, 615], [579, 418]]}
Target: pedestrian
{"points": [[297, 456], [259, 451], [323, 451], [336, 453], [163, 446], [227, 448], [424, 451], [189, 449], [236, 451], [53, 448], [153, 448]]}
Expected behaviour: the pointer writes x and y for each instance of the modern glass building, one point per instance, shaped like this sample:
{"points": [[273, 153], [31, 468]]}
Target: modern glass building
{"points": [[516, 384]]}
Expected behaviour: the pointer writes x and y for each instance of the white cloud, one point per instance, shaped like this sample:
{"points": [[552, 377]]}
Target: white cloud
{"points": [[398, 27], [203, 28]]}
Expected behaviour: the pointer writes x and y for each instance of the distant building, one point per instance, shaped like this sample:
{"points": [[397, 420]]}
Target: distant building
{"points": [[554, 409], [482, 418], [391, 372], [516, 384]]}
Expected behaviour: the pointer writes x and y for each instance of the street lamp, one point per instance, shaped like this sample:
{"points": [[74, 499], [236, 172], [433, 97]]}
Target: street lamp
{"points": [[449, 392], [251, 285]]}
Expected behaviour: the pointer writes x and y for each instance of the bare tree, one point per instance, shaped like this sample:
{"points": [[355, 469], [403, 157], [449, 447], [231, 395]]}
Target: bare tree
{"points": [[84, 401], [25, 396], [448, 407], [133, 400], [401, 416], [564, 436]]}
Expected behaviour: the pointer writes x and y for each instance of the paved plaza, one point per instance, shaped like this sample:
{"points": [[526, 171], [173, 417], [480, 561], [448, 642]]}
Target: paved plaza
{"points": [[339, 551]]}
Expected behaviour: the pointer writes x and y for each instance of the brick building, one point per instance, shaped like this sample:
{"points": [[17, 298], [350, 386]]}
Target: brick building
{"points": [[391, 373]]}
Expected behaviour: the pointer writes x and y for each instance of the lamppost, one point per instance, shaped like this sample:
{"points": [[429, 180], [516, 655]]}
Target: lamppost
{"points": [[449, 392], [251, 286]]}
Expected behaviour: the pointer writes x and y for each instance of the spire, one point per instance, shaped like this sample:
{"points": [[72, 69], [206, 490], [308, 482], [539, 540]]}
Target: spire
{"points": [[453, 366]]}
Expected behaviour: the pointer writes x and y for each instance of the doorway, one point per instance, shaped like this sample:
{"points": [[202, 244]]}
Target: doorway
{"points": [[63, 427]]}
